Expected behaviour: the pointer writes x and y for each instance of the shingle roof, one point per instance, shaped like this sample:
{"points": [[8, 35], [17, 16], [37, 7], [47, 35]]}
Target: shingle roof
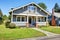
{"points": [[29, 4]]}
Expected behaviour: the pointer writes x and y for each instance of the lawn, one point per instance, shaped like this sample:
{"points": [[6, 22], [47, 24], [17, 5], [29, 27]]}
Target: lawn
{"points": [[12, 34], [52, 29]]}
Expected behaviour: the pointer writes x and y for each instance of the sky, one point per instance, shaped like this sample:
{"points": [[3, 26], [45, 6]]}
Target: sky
{"points": [[6, 5]]}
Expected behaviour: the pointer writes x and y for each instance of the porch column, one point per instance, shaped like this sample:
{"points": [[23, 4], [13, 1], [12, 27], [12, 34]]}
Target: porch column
{"points": [[27, 24], [36, 21], [47, 20], [12, 17]]}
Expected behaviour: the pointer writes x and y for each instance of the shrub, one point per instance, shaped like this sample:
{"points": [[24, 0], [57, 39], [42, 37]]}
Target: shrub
{"points": [[12, 25], [42, 26], [7, 24], [1, 21]]}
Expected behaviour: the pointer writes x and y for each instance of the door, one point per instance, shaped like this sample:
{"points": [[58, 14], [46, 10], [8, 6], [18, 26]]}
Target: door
{"points": [[32, 21], [29, 20]]}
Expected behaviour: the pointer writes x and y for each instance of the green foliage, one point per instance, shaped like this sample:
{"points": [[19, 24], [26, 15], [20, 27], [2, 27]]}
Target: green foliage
{"points": [[43, 5], [1, 14], [12, 25], [57, 8], [42, 26], [1, 20], [9, 17], [7, 24], [5, 17]]}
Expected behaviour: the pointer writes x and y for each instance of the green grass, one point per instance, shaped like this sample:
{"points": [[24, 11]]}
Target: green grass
{"points": [[51, 29], [12, 34]]}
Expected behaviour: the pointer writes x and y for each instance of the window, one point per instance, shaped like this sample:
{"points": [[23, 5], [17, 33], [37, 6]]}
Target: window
{"points": [[31, 8], [42, 19], [14, 18], [45, 18], [22, 18], [38, 19], [18, 18]]}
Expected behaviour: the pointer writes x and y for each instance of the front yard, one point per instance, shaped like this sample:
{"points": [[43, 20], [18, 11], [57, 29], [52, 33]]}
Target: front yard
{"points": [[12, 34], [52, 29]]}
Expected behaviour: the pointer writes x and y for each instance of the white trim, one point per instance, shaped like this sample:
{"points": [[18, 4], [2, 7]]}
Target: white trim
{"points": [[24, 14]]}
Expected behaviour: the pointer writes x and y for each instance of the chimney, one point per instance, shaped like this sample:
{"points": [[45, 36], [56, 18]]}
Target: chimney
{"points": [[53, 22]]}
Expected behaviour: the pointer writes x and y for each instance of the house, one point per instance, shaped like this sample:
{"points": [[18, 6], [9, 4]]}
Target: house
{"points": [[55, 16], [29, 15]]}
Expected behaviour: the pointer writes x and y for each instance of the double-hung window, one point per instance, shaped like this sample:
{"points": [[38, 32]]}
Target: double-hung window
{"points": [[18, 18]]}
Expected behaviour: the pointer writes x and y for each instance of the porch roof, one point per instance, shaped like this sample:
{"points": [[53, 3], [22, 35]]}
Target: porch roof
{"points": [[30, 14]]}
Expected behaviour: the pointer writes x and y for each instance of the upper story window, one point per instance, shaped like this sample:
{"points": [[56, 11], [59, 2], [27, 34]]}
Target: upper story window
{"points": [[31, 8]]}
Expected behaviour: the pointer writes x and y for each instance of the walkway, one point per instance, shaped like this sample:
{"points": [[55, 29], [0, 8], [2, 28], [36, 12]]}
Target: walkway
{"points": [[45, 32], [57, 37]]}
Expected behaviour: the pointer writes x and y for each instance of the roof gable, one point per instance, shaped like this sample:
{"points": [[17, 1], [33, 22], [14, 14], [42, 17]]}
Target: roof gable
{"points": [[33, 4]]}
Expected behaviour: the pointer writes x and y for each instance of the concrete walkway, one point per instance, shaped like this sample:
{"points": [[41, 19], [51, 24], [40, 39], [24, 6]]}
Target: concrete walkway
{"points": [[57, 37], [45, 32]]}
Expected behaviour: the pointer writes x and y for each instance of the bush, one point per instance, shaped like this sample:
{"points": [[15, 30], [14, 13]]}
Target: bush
{"points": [[12, 25], [7, 24], [42, 26], [1, 21]]}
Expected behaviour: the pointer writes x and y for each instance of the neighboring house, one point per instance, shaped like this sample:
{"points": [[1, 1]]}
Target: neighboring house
{"points": [[56, 17], [29, 15]]}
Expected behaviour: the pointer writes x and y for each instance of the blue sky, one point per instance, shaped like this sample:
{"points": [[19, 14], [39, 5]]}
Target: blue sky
{"points": [[6, 5]]}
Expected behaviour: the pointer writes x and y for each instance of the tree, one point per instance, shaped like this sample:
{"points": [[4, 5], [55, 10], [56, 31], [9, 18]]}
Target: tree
{"points": [[1, 14], [5, 17], [9, 17], [43, 6], [56, 7]]}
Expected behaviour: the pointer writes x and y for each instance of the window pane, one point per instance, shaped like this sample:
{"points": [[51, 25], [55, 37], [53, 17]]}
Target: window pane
{"points": [[18, 18], [38, 19], [22, 18], [31, 8], [45, 18], [14, 18]]}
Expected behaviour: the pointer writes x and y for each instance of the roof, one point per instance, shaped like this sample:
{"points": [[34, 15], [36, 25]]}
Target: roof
{"points": [[30, 14], [29, 4], [57, 14]]}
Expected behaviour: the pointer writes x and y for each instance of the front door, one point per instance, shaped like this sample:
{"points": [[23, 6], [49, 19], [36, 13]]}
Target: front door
{"points": [[32, 21]]}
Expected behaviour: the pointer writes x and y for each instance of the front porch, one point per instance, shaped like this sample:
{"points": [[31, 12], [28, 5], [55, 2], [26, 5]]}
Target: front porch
{"points": [[29, 21]]}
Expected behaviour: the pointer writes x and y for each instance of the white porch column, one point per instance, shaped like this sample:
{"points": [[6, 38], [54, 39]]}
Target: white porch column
{"points": [[12, 17], [27, 24], [47, 20], [36, 21]]}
